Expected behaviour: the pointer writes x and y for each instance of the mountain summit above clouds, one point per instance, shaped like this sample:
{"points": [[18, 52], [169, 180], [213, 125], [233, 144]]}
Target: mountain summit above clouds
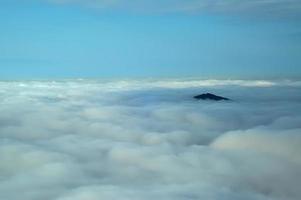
{"points": [[209, 96]]}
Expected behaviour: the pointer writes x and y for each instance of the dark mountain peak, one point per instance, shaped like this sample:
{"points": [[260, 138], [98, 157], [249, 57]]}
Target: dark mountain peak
{"points": [[209, 96]]}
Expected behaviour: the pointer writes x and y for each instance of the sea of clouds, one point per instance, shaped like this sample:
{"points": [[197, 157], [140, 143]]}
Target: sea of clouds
{"points": [[149, 139]]}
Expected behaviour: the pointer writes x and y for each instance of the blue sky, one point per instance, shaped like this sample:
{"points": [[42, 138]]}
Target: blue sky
{"points": [[200, 38]]}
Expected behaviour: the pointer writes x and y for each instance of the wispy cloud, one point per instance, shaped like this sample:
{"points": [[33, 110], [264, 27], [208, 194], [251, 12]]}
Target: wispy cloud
{"points": [[264, 7]]}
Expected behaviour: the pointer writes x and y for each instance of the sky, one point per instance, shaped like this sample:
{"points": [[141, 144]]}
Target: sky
{"points": [[166, 38]]}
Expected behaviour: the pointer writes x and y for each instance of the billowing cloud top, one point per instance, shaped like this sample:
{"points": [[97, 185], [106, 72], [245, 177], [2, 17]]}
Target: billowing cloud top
{"points": [[265, 7], [149, 139]]}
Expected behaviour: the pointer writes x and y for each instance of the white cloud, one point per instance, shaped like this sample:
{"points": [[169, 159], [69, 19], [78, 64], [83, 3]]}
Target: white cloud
{"points": [[149, 139], [282, 143]]}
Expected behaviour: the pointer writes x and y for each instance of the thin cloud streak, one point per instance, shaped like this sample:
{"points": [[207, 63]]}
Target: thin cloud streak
{"points": [[263, 7]]}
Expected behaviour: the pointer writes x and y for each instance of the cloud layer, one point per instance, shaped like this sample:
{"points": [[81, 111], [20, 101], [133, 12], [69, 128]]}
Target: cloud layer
{"points": [[270, 7], [148, 139]]}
